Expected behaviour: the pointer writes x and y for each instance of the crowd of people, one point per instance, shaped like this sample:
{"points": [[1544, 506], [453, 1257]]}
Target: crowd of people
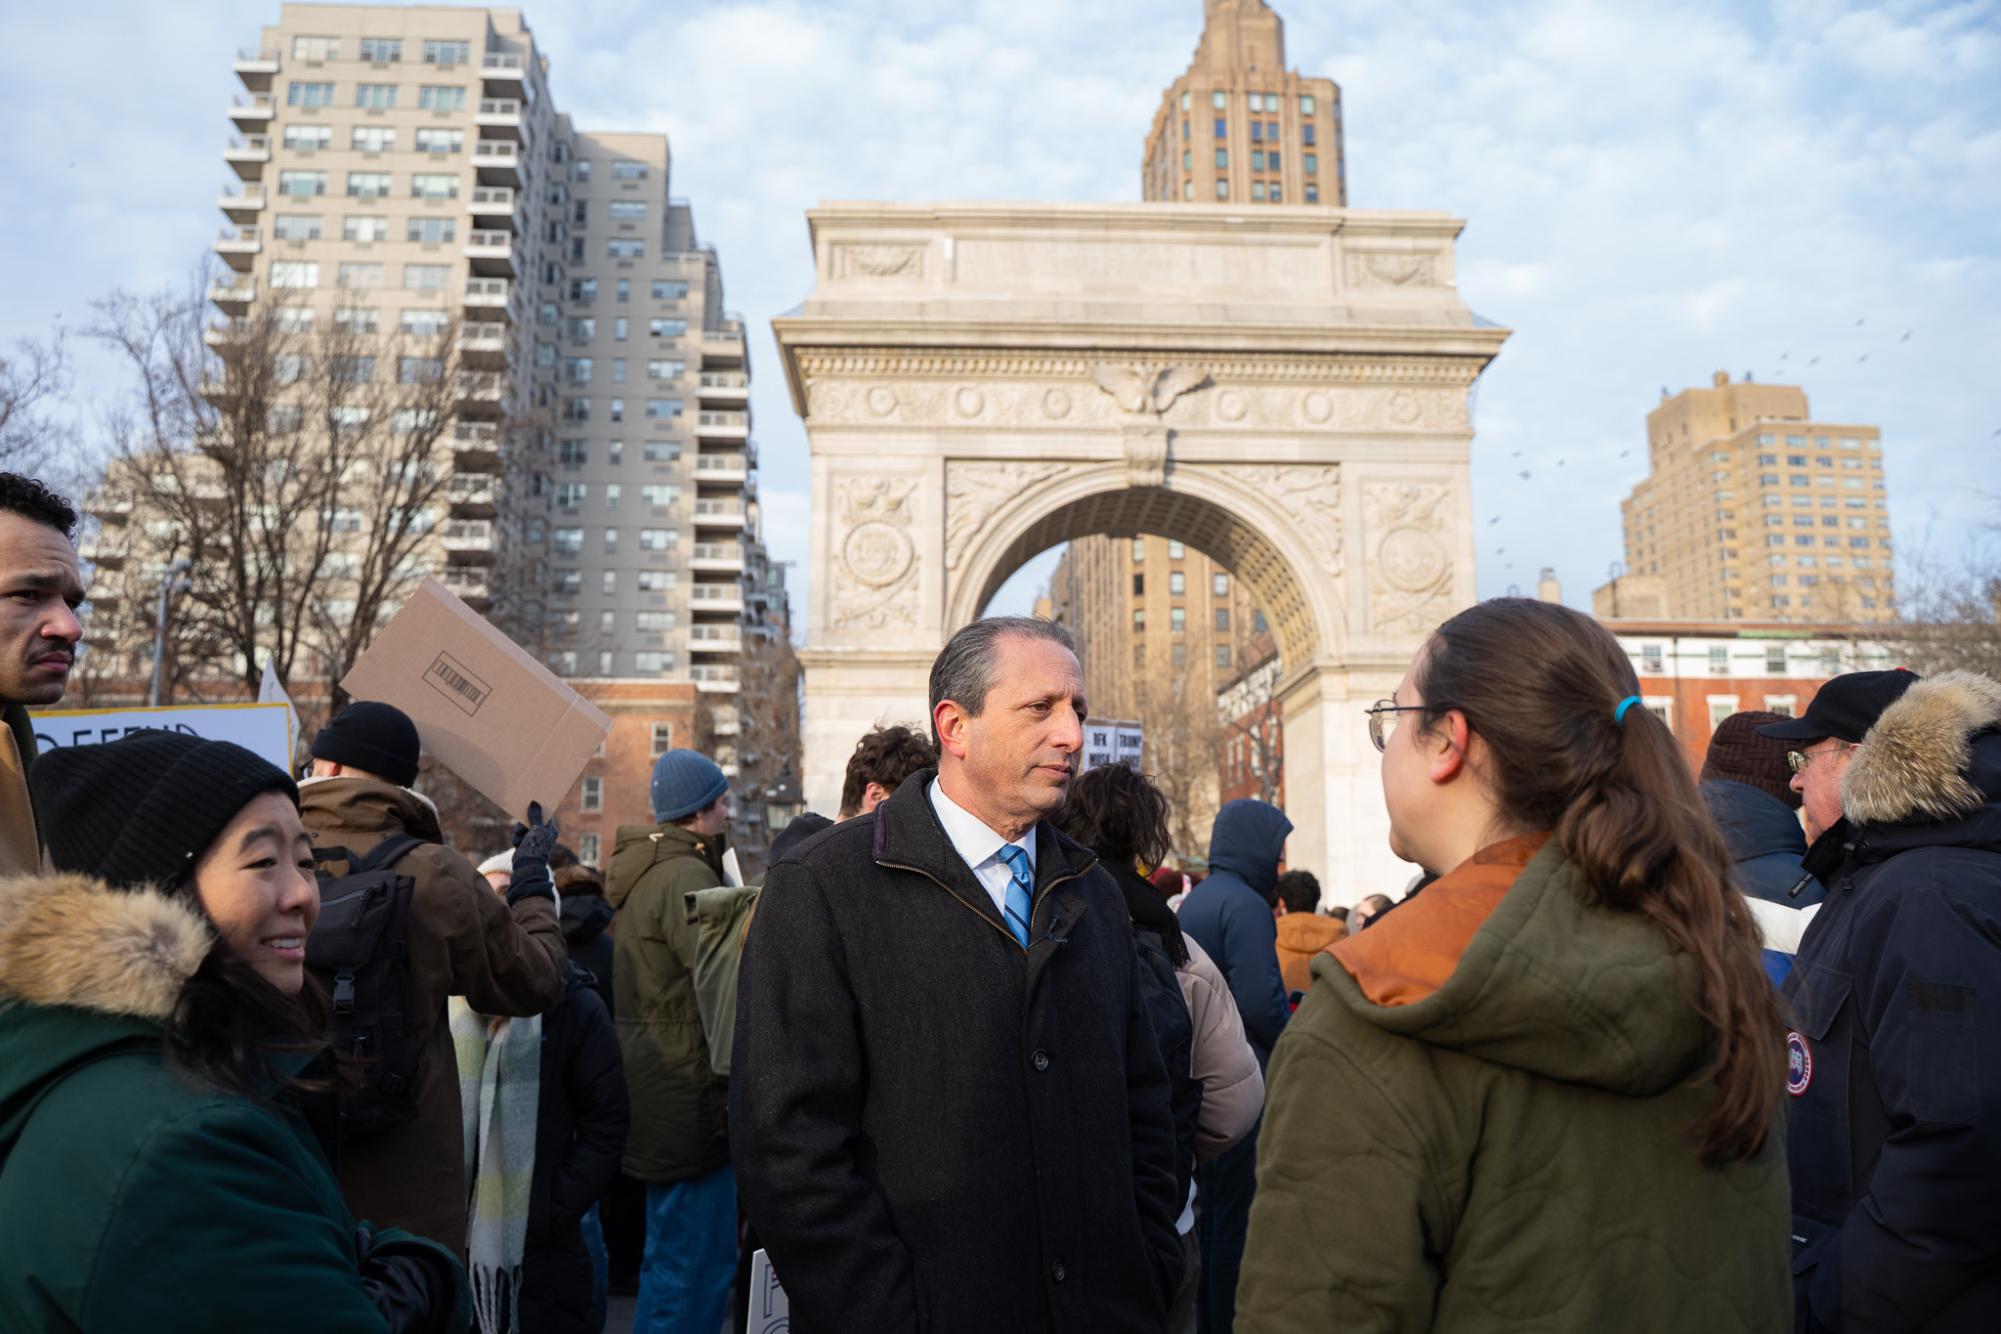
{"points": [[1637, 1049]]}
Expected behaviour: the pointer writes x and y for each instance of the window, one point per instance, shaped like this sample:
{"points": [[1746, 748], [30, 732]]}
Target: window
{"points": [[1257, 189], [294, 273], [294, 319], [426, 277], [1179, 656], [610, 549], [352, 370], [624, 248], [1222, 655], [367, 184], [662, 451], [355, 319], [1257, 131], [361, 276], [440, 141], [1175, 551], [659, 494], [666, 289], [302, 184], [296, 227], [624, 170], [305, 138], [382, 50], [1775, 657], [1139, 549], [667, 328], [1139, 585], [1185, 99], [419, 370], [657, 539], [593, 796], [663, 738], [583, 289], [1223, 619], [582, 169], [1219, 100], [577, 370], [441, 97], [576, 409], [1222, 189], [608, 583], [1222, 128], [1306, 136], [618, 367], [626, 210], [375, 96], [447, 53], [1312, 194], [1720, 707], [431, 231], [434, 185], [655, 622], [617, 409], [1652, 659], [1306, 104], [1222, 159], [315, 48], [657, 581], [1719, 660], [1177, 619], [309, 95], [1177, 583], [1139, 618], [422, 323], [659, 408], [652, 664]]}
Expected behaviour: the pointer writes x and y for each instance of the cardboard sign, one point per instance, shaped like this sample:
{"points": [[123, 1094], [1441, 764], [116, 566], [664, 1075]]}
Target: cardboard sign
{"points": [[268, 730], [770, 1312], [1108, 741], [483, 706]]}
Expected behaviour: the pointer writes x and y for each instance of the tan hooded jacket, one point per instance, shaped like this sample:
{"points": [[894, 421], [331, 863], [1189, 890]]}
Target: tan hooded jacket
{"points": [[1233, 1088]]}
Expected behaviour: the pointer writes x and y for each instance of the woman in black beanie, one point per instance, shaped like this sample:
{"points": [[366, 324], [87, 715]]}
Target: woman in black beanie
{"points": [[158, 1044]]}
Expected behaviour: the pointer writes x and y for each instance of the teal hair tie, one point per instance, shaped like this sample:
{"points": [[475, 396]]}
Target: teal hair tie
{"points": [[1619, 714]]}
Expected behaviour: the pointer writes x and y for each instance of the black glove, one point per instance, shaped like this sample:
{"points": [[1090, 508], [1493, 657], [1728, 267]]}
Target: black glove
{"points": [[532, 844], [417, 1287]]}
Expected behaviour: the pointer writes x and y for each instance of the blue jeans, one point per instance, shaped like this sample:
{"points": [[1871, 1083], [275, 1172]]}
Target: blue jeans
{"points": [[690, 1264], [1224, 1188], [600, 1268]]}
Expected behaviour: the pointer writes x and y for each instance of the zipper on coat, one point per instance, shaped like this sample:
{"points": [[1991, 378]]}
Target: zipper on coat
{"points": [[954, 895]]}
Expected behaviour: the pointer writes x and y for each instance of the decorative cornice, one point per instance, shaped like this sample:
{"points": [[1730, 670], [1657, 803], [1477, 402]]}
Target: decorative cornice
{"points": [[1273, 367]]}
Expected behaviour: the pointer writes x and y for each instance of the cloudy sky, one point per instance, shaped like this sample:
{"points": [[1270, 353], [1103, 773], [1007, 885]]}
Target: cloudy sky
{"points": [[1806, 191]]}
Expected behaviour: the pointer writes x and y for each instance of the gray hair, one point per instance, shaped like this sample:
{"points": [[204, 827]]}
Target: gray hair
{"points": [[963, 671]]}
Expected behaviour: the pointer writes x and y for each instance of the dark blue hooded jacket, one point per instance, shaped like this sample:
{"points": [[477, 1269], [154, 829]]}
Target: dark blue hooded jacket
{"points": [[1229, 914], [1894, 1132], [1765, 840]]}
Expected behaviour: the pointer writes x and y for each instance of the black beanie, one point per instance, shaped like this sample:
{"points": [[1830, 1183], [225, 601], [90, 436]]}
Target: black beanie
{"points": [[139, 810], [378, 738]]}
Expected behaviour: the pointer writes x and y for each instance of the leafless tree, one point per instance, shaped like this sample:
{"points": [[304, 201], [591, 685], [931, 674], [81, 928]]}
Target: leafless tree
{"points": [[1250, 714], [1949, 610], [1182, 750], [766, 745], [33, 379]]}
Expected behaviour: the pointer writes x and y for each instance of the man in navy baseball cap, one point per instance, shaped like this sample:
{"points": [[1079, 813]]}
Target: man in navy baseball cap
{"points": [[1841, 714]]}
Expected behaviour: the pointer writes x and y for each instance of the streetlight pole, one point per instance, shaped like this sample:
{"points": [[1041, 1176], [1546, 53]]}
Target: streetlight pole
{"points": [[175, 580]]}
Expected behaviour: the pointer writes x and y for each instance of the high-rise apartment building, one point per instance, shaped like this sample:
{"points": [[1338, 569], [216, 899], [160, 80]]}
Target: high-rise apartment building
{"points": [[1754, 511], [1240, 126]]}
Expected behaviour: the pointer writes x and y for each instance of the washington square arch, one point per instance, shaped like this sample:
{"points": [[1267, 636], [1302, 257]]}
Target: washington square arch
{"points": [[1285, 390]]}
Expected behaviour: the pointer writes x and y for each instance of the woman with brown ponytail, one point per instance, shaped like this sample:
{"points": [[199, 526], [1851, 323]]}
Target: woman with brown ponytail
{"points": [[1542, 1095]]}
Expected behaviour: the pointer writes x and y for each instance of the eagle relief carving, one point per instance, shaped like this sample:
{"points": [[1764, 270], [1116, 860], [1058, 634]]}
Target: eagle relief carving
{"points": [[1144, 395]]}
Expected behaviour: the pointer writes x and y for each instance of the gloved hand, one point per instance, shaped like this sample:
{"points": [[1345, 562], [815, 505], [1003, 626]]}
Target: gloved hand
{"points": [[417, 1285], [532, 844]]}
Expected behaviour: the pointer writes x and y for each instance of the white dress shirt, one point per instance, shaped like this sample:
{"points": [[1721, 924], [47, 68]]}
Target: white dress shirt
{"points": [[980, 846]]}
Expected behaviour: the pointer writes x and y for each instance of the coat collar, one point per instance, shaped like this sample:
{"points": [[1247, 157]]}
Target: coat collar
{"points": [[73, 941], [1913, 764]]}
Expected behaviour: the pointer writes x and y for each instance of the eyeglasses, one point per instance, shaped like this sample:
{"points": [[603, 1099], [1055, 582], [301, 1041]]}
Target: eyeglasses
{"points": [[1798, 760], [1383, 719]]}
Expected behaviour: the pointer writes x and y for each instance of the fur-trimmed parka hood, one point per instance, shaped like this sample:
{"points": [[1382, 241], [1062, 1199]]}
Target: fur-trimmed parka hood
{"points": [[73, 941], [1931, 764]]}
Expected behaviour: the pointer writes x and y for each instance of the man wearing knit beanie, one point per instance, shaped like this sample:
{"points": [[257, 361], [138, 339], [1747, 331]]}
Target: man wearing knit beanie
{"points": [[1745, 784], [505, 956], [676, 1144]]}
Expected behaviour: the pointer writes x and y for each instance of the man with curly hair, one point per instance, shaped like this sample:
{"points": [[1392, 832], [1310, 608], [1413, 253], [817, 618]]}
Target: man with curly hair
{"points": [[882, 760], [41, 586]]}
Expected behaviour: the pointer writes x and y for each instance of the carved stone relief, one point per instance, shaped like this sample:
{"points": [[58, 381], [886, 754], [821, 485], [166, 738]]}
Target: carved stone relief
{"points": [[875, 570], [1391, 268], [879, 261], [974, 490], [1146, 454], [1309, 494], [1410, 570]]}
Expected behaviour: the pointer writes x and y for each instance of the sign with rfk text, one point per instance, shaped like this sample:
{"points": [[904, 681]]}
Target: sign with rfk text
{"points": [[484, 707]]}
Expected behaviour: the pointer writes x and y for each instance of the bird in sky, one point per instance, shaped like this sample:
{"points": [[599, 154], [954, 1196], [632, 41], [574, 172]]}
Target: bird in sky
{"points": [[1491, 522], [1525, 474], [1907, 335], [1864, 357], [1858, 324], [1815, 359], [1624, 452], [1559, 463]]}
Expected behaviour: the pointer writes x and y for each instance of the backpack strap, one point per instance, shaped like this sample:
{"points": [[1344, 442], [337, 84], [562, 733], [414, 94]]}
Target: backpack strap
{"points": [[386, 853]]}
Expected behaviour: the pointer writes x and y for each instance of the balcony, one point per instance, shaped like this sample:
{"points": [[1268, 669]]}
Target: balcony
{"points": [[719, 514], [254, 112], [244, 204], [469, 540], [712, 680], [500, 117], [725, 388], [475, 447], [494, 205], [715, 638], [498, 161], [238, 247], [225, 329], [248, 156], [721, 468], [103, 555], [723, 425], [721, 598], [468, 583], [256, 69], [504, 74], [483, 345], [723, 347], [488, 296], [473, 495], [233, 297], [491, 253], [717, 558], [481, 393]]}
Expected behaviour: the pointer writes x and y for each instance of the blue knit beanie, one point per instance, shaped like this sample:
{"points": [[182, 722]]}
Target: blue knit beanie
{"points": [[685, 781]]}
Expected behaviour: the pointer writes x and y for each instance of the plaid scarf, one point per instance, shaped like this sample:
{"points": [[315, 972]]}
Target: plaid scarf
{"points": [[500, 1075]]}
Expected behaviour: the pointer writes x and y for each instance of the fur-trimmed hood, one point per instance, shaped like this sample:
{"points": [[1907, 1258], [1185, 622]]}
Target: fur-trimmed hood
{"points": [[1926, 760], [72, 941]]}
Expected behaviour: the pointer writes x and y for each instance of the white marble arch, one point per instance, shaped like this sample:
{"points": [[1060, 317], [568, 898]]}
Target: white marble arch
{"points": [[1285, 390]]}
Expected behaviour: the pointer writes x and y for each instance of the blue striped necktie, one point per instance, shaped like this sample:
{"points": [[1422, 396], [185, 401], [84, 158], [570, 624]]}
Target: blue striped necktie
{"points": [[1018, 891]]}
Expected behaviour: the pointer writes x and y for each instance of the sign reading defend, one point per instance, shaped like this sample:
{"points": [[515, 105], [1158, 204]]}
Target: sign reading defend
{"points": [[263, 729], [484, 707]]}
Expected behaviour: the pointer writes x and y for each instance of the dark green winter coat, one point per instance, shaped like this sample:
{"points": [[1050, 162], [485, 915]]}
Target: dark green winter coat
{"points": [[131, 1196], [680, 1105], [1512, 1152]]}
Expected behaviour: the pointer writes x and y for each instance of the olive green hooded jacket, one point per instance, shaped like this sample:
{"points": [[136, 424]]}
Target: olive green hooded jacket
{"points": [[679, 1103], [1514, 1151]]}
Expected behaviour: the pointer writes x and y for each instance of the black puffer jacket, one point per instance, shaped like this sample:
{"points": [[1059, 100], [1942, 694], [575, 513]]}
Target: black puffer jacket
{"points": [[1895, 1116], [1161, 951], [585, 919], [579, 1136]]}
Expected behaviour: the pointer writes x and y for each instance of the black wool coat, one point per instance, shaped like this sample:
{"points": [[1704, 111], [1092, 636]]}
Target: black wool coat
{"points": [[934, 1129]]}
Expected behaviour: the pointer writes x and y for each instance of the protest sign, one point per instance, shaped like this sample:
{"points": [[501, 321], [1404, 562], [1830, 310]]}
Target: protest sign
{"points": [[268, 730], [770, 1313], [1109, 741], [483, 706]]}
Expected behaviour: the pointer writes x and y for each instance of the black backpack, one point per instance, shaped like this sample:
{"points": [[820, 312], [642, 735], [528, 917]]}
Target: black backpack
{"points": [[360, 952]]}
